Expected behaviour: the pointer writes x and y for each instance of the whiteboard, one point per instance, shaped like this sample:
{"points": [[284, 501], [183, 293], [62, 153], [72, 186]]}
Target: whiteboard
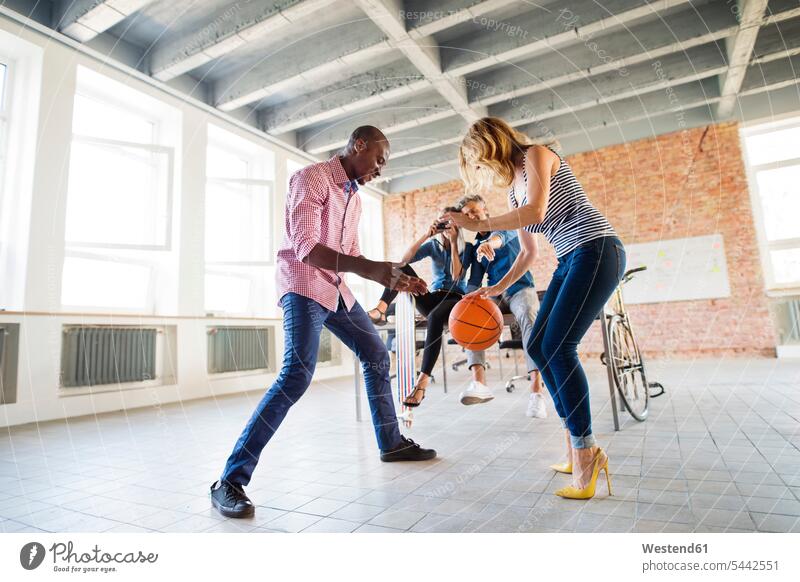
{"points": [[678, 270]]}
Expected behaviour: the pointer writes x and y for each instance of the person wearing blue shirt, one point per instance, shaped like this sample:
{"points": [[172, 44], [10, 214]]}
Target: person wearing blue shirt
{"points": [[491, 256], [447, 289]]}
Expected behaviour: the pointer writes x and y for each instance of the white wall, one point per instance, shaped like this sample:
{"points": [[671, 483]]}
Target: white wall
{"points": [[40, 314]]}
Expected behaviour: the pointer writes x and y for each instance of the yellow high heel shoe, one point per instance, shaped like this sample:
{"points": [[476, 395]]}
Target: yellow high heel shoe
{"points": [[600, 463], [562, 467]]}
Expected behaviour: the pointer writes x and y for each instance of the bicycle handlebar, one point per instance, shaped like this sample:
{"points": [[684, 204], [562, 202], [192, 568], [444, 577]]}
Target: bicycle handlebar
{"points": [[630, 272]]}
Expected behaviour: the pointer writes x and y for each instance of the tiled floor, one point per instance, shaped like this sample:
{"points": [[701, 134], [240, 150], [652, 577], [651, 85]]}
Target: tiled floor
{"points": [[720, 452]]}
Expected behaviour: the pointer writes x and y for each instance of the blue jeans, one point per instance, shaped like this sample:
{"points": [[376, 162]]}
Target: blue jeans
{"points": [[303, 319], [582, 283]]}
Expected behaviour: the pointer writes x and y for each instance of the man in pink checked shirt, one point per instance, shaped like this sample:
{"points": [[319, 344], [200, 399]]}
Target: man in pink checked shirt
{"points": [[321, 242]]}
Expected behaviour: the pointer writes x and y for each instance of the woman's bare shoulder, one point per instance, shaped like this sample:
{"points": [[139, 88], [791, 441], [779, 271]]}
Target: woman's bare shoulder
{"points": [[540, 154]]}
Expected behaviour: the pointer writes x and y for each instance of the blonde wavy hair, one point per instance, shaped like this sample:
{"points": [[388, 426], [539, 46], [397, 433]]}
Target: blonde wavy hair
{"points": [[487, 153]]}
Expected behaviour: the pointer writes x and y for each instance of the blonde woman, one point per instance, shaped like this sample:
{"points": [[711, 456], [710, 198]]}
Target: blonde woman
{"points": [[546, 198]]}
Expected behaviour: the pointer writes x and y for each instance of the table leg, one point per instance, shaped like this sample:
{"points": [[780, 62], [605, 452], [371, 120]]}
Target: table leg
{"points": [[444, 363]]}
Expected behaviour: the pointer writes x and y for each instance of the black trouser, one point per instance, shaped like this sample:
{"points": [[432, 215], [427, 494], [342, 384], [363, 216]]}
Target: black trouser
{"points": [[436, 307]]}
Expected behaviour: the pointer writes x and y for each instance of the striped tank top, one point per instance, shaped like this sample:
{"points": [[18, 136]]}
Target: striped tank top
{"points": [[570, 220]]}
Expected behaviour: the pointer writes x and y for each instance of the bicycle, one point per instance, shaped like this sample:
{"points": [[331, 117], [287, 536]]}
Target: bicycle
{"points": [[625, 357]]}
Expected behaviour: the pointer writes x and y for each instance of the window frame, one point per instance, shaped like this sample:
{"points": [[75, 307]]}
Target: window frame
{"points": [[170, 194], [165, 139], [766, 247], [258, 157], [369, 290], [5, 114], [269, 185]]}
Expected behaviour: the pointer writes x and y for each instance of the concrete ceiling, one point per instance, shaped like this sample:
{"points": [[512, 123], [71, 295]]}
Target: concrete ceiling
{"points": [[587, 73]]}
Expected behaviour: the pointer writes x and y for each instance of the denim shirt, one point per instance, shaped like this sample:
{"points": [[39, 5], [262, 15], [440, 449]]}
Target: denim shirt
{"points": [[440, 266], [495, 270]]}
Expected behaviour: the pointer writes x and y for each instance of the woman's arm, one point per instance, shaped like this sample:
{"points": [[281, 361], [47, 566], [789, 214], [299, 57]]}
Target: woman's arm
{"points": [[528, 251], [412, 250], [540, 165], [455, 260]]}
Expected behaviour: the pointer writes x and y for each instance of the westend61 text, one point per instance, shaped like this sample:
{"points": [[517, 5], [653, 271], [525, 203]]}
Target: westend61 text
{"points": [[671, 549]]}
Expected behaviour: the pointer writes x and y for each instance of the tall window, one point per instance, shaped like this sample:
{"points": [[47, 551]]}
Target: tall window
{"points": [[773, 158], [3, 120], [3, 143], [239, 226], [20, 88], [120, 196], [370, 237]]}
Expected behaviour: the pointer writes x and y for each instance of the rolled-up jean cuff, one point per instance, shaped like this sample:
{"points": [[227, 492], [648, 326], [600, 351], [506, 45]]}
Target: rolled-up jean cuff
{"points": [[583, 442], [563, 422], [477, 358]]}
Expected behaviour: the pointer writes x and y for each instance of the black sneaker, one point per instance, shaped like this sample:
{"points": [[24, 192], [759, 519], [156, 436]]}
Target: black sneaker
{"points": [[230, 500], [407, 450]]}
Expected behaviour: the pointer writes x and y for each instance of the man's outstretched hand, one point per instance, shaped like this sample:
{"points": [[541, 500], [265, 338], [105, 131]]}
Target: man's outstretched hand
{"points": [[389, 275]]}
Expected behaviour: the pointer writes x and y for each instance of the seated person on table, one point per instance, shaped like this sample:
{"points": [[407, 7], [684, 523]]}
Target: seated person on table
{"points": [[446, 290]]}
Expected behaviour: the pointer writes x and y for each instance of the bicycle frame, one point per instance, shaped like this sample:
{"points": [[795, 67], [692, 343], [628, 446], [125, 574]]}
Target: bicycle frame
{"points": [[616, 318]]}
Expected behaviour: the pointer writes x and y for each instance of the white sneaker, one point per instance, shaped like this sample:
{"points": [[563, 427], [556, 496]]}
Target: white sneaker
{"points": [[476, 393], [536, 408]]}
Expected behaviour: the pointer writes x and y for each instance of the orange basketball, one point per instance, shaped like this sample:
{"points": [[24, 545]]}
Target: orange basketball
{"points": [[476, 323]]}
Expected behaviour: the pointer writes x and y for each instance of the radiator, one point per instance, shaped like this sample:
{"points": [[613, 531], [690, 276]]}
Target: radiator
{"points": [[92, 356], [2, 350], [237, 349], [2, 364]]}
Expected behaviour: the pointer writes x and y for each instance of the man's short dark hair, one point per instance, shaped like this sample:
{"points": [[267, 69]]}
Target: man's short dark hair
{"points": [[367, 133]]}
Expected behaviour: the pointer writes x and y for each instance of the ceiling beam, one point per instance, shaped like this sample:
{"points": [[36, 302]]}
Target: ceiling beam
{"points": [[659, 102], [684, 107], [324, 55], [779, 10], [419, 162], [427, 137], [613, 51], [774, 102], [416, 111], [422, 52], [371, 89], [653, 104], [673, 70], [678, 68], [717, 24], [740, 51], [777, 41], [83, 20], [612, 135], [771, 75], [352, 45], [228, 29], [550, 27], [618, 50], [426, 22]]}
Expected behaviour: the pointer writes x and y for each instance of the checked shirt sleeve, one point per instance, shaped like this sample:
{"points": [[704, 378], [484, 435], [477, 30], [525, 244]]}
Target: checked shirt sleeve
{"points": [[307, 196]]}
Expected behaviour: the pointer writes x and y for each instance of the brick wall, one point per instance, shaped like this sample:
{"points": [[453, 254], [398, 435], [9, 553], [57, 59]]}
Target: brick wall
{"points": [[651, 190]]}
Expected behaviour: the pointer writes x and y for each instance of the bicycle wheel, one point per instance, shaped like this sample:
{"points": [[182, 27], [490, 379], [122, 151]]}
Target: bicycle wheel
{"points": [[626, 364]]}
